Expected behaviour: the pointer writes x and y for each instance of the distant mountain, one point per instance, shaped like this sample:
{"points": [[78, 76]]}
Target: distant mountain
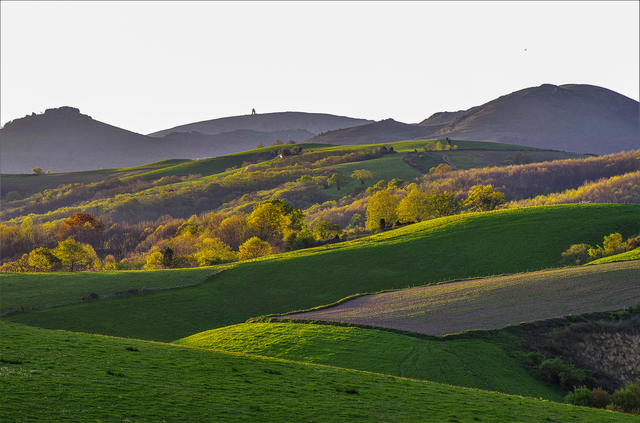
{"points": [[312, 123], [64, 140], [578, 118], [387, 130]]}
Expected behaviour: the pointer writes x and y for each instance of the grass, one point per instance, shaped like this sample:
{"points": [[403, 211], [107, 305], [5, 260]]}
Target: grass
{"points": [[28, 185], [381, 352], [65, 376], [384, 168], [462, 246], [493, 302], [629, 255], [51, 289]]}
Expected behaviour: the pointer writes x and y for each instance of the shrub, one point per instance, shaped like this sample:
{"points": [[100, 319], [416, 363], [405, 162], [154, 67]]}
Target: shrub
{"points": [[580, 396], [599, 398], [253, 248], [628, 398], [576, 254]]}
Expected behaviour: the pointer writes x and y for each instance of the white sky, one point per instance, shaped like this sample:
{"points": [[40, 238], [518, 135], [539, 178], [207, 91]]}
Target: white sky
{"points": [[149, 66]]}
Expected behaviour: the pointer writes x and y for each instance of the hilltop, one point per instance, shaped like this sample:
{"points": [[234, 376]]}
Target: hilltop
{"points": [[311, 123], [578, 118]]}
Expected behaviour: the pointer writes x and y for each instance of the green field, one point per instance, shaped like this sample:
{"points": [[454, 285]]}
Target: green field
{"points": [[456, 247], [629, 255], [51, 289], [64, 376], [381, 352]]}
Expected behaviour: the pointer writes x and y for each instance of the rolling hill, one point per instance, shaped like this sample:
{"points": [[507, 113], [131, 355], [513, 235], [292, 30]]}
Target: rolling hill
{"points": [[57, 375], [578, 118], [309, 123], [65, 140], [456, 247]]}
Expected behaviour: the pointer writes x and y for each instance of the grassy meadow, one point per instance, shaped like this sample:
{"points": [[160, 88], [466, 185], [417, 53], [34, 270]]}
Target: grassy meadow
{"points": [[64, 376], [456, 247], [461, 362]]}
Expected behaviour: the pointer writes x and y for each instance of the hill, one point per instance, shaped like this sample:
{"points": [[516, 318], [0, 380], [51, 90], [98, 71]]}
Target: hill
{"points": [[578, 118], [492, 302], [65, 140], [309, 123], [373, 133], [57, 375], [457, 247]]}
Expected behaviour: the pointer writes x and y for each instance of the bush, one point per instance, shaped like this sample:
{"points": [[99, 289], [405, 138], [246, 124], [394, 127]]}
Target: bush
{"points": [[576, 254], [599, 398], [628, 398], [564, 373], [580, 396]]}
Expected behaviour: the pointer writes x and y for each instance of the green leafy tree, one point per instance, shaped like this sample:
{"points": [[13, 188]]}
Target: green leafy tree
{"points": [[212, 251], [445, 203], [576, 254], [337, 180], [72, 253], [483, 198], [414, 207], [273, 218], [253, 248], [382, 205], [395, 183], [362, 175], [44, 260], [613, 244], [326, 230], [154, 261]]}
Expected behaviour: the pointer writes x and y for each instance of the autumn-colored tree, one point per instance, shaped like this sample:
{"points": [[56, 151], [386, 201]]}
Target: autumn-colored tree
{"points": [[337, 180], [483, 198], [382, 205], [362, 175], [231, 230], [37, 171], [441, 168], [86, 228], [253, 248]]}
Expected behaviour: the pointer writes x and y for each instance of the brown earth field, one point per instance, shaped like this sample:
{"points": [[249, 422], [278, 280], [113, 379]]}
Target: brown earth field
{"points": [[494, 302]]}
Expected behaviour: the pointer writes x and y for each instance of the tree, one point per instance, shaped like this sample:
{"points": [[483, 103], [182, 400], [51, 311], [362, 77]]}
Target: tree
{"points": [[337, 180], [167, 256], [441, 168], [212, 251], [85, 227], [445, 203], [253, 248], [259, 145], [71, 253], [414, 207], [37, 171], [576, 254], [278, 142], [382, 205], [326, 230], [362, 175], [483, 198], [44, 260], [275, 217]]}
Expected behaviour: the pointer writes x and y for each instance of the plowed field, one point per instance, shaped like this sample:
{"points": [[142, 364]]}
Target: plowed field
{"points": [[493, 302]]}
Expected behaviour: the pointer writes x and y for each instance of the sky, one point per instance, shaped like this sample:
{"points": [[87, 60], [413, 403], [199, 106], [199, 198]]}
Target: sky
{"points": [[148, 66]]}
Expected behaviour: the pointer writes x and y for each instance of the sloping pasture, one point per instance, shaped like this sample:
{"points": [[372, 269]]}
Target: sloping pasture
{"points": [[484, 365], [493, 302], [64, 376]]}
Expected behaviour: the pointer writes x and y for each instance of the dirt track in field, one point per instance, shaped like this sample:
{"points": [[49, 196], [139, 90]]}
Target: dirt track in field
{"points": [[493, 302]]}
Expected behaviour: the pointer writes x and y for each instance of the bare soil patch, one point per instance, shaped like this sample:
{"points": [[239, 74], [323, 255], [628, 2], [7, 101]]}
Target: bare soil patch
{"points": [[493, 303]]}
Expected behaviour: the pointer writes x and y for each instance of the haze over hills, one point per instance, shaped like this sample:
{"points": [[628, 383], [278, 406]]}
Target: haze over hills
{"points": [[312, 123], [64, 140], [578, 118]]}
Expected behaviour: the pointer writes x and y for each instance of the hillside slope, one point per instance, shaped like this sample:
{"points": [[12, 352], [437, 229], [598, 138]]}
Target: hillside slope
{"points": [[311, 123], [383, 131], [578, 118], [57, 376], [493, 302], [461, 246]]}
